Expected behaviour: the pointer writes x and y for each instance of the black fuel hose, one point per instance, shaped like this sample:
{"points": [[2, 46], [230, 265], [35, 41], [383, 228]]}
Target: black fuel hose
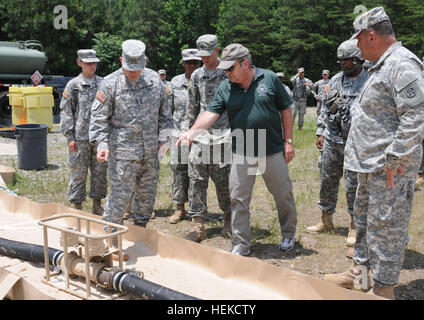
{"points": [[117, 280]]}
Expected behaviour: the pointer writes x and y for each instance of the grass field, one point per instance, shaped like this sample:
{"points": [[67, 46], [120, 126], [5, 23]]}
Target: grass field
{"points": [[314, 255]]}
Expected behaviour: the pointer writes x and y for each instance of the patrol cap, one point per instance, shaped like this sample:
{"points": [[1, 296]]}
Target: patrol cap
{"points": [[190, 54], [325, 72], [133, 55], [349, 49], [232, 53], [206, 45], [301, 70], [87, 55], [162, 71], [368, 19], [280, 74]]}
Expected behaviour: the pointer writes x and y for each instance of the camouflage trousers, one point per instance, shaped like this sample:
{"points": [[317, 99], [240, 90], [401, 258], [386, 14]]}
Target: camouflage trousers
{"points": [[381, 221], [319, 104], [331, 173], [80, 162], [179, 166], [132, 185], [199, 174], [299, 107]]}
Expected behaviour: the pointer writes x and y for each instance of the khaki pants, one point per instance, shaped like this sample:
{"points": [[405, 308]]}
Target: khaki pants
{"points": [[278, 182]]}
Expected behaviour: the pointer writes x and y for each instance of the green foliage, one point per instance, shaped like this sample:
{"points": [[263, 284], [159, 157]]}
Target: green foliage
{"points": [[282, 35]]}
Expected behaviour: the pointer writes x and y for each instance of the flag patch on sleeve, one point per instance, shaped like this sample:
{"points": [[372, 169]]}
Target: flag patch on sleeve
{"points": [[101, 96], [65, 94]]}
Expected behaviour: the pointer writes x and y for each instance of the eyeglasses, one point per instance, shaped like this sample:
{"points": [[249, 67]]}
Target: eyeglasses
{"points": [[231, 69]]}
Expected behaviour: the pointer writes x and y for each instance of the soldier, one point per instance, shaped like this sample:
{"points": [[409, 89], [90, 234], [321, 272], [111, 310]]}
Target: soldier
{"points": [[333, 129], [162, 75], [179, 99], [301, 90], [129, 118], [280, 76], [75, 109], [318, 89], [384, 146], [208, 150]]}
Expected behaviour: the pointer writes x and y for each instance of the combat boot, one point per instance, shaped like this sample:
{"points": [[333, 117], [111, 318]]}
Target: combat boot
{"points": [[178, 215], [350, 279], [419, 183], [326, 224], [198, 234], [351, 237], [226, 228], [78, 205], [385, 292], [97, 207]]}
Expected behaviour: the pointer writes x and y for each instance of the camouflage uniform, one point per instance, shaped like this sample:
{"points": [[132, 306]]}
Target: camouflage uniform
{"points": [[201, 91], [129, 120], [75, 109], [179, 163], [318, 90], [334, 126], [387, 130], [300, 96]]}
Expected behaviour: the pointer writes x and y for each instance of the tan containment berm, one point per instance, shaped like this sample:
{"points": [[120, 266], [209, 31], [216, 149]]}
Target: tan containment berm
{"points": [[181, 265]]}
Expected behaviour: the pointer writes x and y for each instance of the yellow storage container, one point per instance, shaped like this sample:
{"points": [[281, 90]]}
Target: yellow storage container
{"points": [[32, 105]]}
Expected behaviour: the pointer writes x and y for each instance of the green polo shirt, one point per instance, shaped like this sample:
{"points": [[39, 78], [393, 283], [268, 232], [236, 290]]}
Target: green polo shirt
{"points": [[256, 108]]}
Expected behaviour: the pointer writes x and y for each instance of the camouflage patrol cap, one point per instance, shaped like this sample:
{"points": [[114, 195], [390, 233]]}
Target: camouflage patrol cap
{"points": [[232, 53], [280, 74], [206, 45], [301, 70], [161, 71], [133, 55], [368, 19], [87, 55], [349, 49], [190, 54], [325, 72]]}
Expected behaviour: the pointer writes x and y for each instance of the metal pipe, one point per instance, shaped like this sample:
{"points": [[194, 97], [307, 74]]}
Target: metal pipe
{"points": [[108, 277]]}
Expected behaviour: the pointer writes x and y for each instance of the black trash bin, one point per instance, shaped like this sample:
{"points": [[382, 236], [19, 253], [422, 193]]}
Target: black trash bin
{"points": [[31, 141]]}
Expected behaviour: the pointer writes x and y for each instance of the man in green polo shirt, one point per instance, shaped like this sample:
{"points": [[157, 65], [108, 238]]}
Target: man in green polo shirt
{"points": [[258, 109]]}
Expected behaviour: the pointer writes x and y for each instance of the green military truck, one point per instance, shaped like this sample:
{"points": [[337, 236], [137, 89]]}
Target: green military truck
{"points": [[23, 63]]}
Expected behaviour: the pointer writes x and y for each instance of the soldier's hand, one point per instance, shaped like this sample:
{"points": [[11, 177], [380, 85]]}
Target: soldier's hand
{"points": [[73, 146], [320, 142], [162, 150], [103, 155], [390, 175]]}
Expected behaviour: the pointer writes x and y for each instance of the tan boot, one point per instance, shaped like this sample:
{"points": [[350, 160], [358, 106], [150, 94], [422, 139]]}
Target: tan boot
{"points": [[351, 237], [226, 228], [326, 224], [419, 183], [178, 215], [351, 278], [78, 205], [97, 207], [385, 292], [198, 234]]}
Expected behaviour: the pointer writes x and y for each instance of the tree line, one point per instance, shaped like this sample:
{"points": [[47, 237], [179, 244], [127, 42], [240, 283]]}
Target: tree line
{"points": [[282, 35]]}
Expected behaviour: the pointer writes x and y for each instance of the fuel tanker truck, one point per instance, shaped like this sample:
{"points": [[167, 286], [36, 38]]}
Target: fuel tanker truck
{"points": [[22, 63]]}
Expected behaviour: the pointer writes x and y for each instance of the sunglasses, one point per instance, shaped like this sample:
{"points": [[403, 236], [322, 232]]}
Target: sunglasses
{"points": [[231, 69]]}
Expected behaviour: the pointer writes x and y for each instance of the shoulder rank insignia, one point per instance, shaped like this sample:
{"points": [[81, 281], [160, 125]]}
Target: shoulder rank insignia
{"points": [[101, 96]]}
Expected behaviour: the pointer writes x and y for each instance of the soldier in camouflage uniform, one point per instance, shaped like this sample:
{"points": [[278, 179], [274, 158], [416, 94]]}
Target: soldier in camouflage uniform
{"points": [[280, 76], [162, 75], [318, 89], [385, 147], [179, 155], [301, 90], [203, 162], [129, 121], [419, 183], [333, 129], [75, 109]]}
